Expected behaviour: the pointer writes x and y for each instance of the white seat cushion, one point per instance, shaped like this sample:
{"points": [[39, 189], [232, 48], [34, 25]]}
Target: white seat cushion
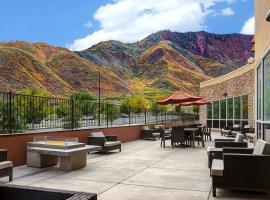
{"points": [[156, 126], [145, 128], [226, 131], [236, 126], [239, 137], [156, 134], [261, 148], [98, 134], [112, 143], [247, 126], [250, 135], [6, 164], [217, 167]]}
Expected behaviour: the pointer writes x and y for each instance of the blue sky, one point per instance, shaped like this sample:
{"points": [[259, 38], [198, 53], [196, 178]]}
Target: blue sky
{"points": [[78, 24]]}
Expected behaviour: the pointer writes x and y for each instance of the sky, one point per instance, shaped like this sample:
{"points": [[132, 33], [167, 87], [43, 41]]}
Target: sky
{"points": [[79, 24]]}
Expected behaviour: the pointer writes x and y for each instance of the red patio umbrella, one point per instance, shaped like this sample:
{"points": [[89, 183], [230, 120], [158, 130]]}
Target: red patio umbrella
{"points": [[179, 98], [197, 102]]}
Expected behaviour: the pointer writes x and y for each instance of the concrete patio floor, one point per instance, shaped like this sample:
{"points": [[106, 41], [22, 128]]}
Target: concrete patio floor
{"points": [[143, 170]]}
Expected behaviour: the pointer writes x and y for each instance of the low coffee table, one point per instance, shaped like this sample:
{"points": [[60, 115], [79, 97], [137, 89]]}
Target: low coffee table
{"points": [[214, 153]]}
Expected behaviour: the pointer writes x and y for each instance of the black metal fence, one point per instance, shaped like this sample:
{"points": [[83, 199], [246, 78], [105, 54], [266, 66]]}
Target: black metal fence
{"points": [[19, 113]]}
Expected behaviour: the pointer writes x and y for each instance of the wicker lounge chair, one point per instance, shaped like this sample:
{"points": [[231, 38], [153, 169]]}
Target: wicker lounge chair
{"points": [[226, 131], [250, 135], [6, 167], [243, 169], [147, 133], [107, 143], [14, 192], [235, 129], [238, 141]]}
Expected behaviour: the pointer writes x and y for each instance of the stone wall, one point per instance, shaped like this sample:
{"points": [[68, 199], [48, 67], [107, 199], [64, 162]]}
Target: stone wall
{"points": [[240, 85]]}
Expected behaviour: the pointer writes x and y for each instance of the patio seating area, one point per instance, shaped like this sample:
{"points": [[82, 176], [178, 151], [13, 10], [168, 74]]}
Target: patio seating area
{"points": [[143, 170]]}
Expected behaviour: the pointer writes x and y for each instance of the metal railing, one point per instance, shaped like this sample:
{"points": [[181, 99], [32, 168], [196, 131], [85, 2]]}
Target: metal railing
{"points": [[20, 113]]}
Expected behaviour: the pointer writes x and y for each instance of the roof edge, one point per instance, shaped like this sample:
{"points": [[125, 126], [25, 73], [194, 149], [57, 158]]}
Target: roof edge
{"points": [[238, 72]]}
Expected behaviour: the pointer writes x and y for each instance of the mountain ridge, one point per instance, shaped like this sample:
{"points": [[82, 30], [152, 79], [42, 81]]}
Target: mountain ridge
{"points": [[162, 61]]}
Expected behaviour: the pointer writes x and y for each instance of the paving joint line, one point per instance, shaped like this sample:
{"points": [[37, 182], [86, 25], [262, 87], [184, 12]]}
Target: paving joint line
{"points": [[139, 171]]}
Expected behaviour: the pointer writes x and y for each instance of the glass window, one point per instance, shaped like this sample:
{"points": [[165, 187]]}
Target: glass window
{"points": [[223, 109], [230, 108], [237, 108], [209, 111], [216, 109], [245, 107], [266, 92], [259, 93]]}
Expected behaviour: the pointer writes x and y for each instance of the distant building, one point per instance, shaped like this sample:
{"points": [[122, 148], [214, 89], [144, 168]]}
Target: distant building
{"points": [[243, 96], [232, 97]]}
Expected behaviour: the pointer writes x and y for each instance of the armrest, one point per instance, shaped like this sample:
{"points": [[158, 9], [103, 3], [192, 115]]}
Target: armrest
{"points": [[99, 141], [111, 137], [237, 150], [3, 155], [220, 140], [231, 144]]}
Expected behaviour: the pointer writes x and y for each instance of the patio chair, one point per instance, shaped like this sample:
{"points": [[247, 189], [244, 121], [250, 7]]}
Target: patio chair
{"points": [[226, 131], [250, 135], [107, 143], [235, 129], [207, 133], [18, 192], [199, 137], [243, 169], [238, 141], [178, 136], [6, 167], [216, 152], [164, 135], [147, 133]]}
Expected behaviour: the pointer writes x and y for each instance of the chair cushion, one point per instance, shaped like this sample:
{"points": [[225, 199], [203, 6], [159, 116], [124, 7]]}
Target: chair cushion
{"points": [[156, 127], [145, 128], [225, 130], [6, 164], [261, 148], [97, 134], [236, 126], [217, 167], [112, 143], [250, 135], [239, 137], [156, 134], [247, 126], [234, 133]]}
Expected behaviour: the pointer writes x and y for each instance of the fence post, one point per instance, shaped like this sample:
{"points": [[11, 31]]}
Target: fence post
{"points": [[107, 111], [99, 109], [72, 114], [144, 115], [129, 115], [10, 112]]}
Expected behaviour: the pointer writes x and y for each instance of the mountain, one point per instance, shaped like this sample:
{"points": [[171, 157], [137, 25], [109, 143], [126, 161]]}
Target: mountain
{"points": [[162, 61]]}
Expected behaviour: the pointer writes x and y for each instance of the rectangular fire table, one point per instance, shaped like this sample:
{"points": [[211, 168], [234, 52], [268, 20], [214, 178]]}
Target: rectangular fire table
{"points": [[70, 155]]}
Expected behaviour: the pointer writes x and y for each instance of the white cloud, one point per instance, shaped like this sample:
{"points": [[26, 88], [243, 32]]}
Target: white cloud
{"points": [[227, 11], [132, 20], [249, 26], [88, 24]]}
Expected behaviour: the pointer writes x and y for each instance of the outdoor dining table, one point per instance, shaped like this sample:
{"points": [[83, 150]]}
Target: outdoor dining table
{"points": [[192, 130]]}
